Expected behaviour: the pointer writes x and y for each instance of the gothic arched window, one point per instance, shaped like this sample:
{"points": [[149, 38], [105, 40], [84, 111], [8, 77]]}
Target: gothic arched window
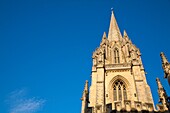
{"points": [[119, 90], [116, 56]]}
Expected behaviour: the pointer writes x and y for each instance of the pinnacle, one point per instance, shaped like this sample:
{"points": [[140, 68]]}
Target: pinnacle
{"points": [[104, 35], [159, 83], [157, 79], [164, 59], [86, 86], [125, 34]]}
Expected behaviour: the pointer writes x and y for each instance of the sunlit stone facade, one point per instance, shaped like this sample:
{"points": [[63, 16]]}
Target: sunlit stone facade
{"points": [[118, 81]]}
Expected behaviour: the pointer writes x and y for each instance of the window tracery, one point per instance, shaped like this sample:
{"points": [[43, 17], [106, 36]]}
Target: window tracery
{"points": [[119, 90]]}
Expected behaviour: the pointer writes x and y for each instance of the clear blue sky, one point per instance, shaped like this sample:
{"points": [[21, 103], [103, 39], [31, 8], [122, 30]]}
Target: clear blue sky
{"points": [[46, 48]]}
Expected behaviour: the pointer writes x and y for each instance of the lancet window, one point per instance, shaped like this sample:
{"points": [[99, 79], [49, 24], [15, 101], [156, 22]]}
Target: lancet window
{"points": [[116, 56], [119, 90]]}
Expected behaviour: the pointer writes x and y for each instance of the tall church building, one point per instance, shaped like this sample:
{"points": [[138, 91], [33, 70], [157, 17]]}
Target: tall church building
{"points": [[118, 81]]}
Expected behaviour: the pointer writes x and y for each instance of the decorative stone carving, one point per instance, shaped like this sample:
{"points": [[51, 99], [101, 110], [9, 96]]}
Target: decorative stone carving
{"points": [[166, 67], [163, 98], [123, 64]]}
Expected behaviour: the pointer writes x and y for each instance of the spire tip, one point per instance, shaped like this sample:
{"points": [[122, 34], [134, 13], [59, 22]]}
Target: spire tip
{"points": [[114, 32]]}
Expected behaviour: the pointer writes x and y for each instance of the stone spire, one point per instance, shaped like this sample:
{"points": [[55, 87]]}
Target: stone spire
{"points": [[114, 32], [163, 97]]}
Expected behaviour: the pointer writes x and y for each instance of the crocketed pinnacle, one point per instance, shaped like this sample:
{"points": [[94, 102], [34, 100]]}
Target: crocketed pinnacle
{"points": [[164, 59], [159, 83]]}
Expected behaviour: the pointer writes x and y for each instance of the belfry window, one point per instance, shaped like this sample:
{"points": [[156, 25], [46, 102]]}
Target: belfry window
{"points": [[116, 56], [119, 90]]}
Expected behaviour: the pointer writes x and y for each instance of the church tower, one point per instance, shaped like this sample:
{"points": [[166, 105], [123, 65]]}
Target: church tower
{"points": [[118, 81]]}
